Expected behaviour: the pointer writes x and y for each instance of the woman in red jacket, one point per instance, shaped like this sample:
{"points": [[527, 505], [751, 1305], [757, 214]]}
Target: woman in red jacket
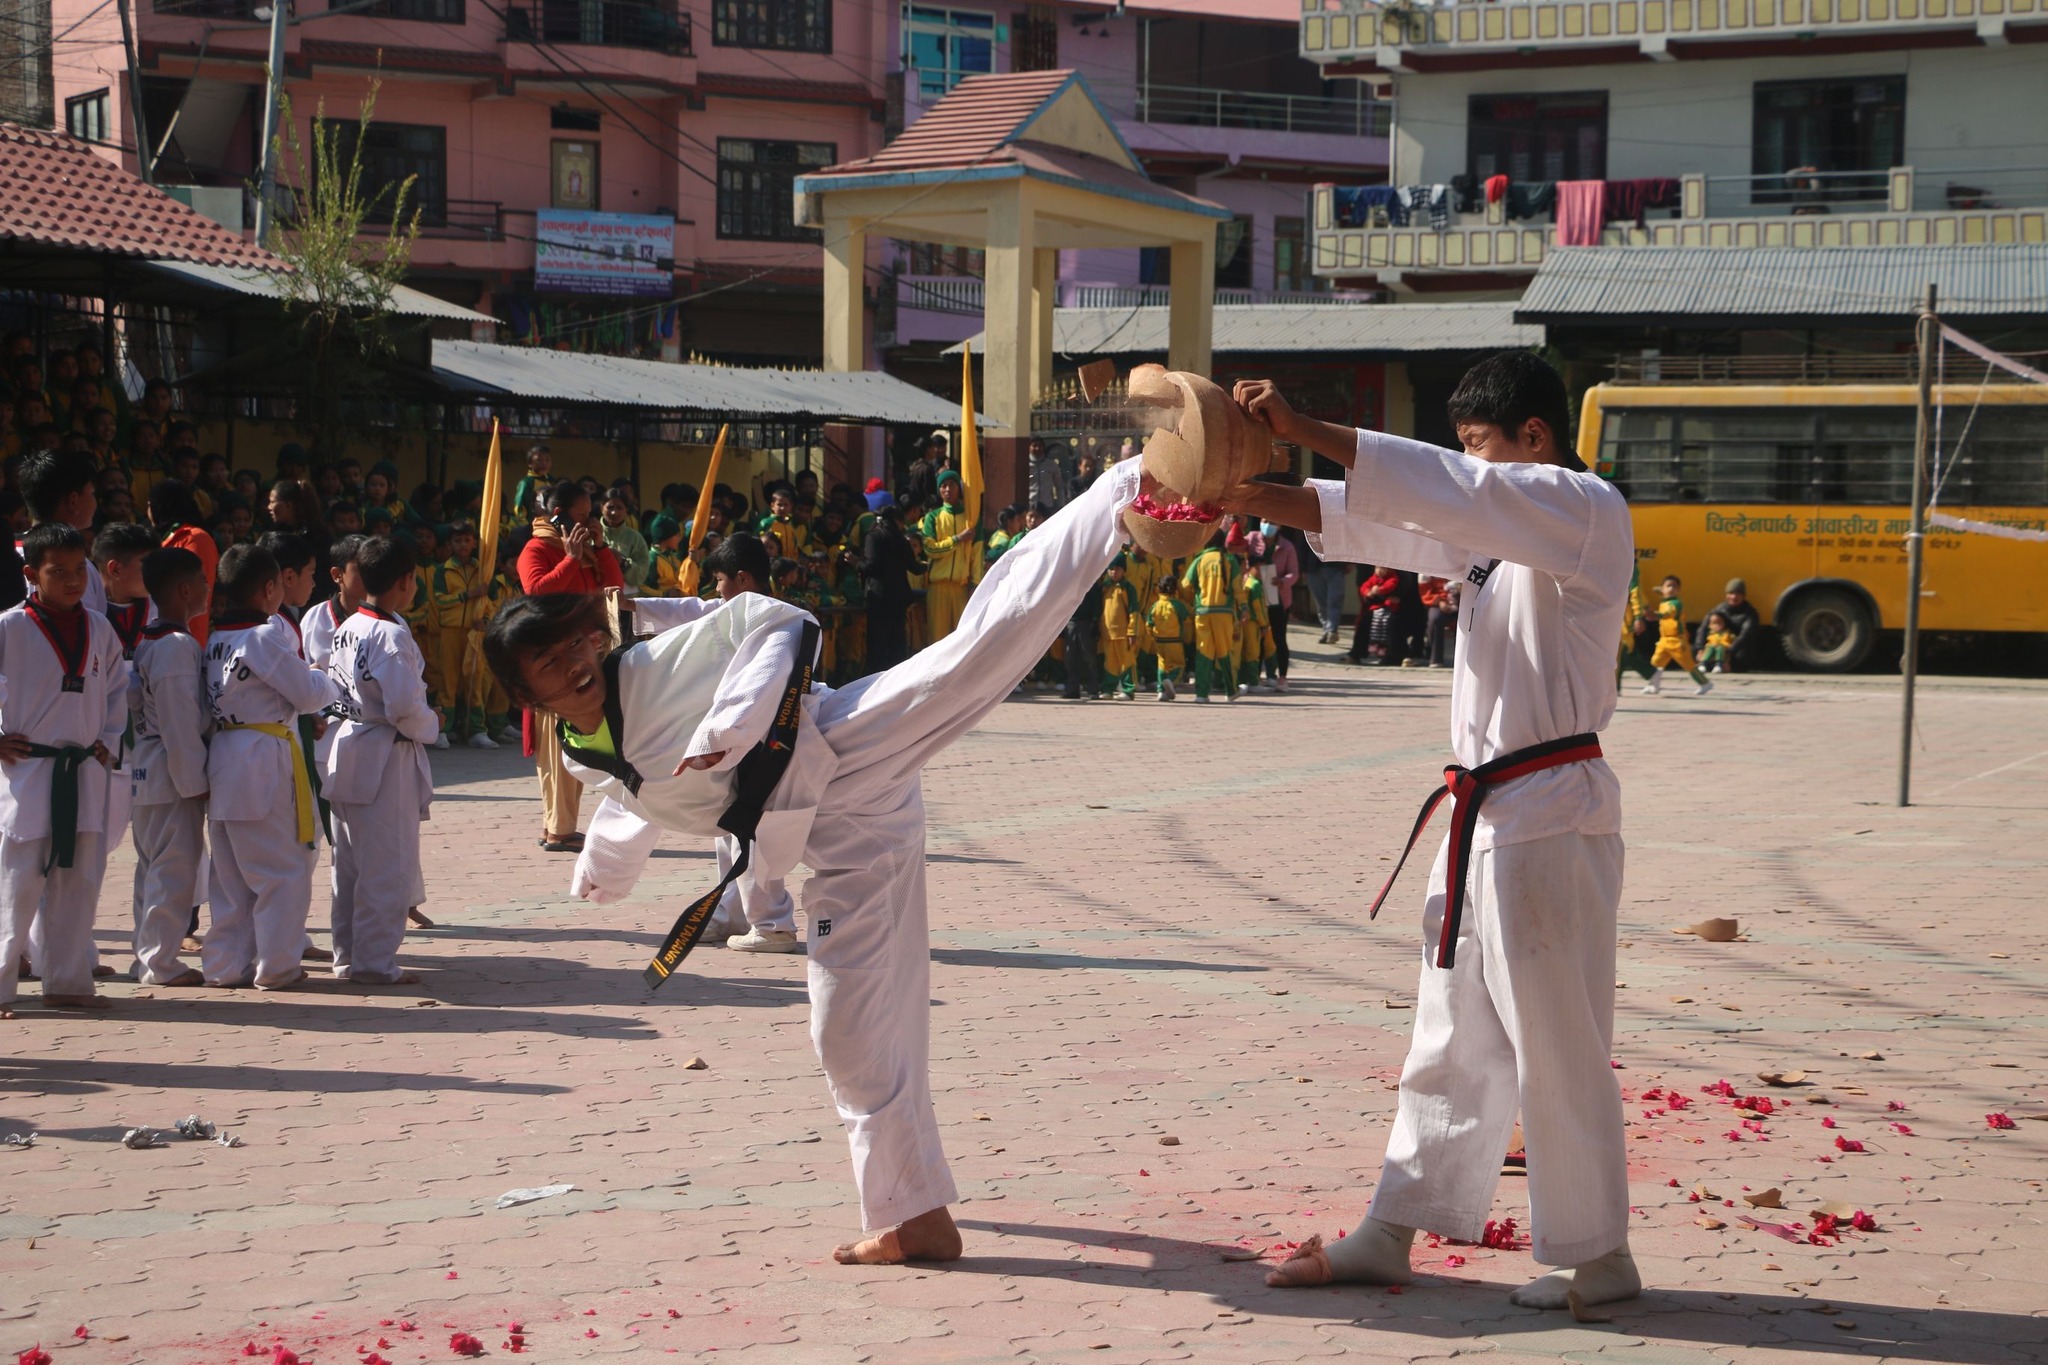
{"points": [[567, 554], [1380, 603]]}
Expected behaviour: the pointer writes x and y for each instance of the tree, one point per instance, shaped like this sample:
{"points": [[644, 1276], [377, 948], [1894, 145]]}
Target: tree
{"points": [[344, 271]]}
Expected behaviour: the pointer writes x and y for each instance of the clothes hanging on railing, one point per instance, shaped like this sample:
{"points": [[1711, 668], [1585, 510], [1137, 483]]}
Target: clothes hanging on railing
{"points": [[1627, 201], [1496, 188], [1531, 198], [1580, 205], [1465, 194], [1353, 205], [1411, 200]]}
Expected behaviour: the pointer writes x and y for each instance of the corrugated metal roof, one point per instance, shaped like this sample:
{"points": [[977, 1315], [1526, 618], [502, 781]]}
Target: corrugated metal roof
{"points": [[1280, 327], [268, 284], [561, 377], [1651, 284], [55, 191]]}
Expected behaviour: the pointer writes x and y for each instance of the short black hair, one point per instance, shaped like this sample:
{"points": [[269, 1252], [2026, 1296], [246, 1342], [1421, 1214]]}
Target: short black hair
{"points": [[168, 568], [120, 539], [739, 553], [1672, 578], [291, 550], [245, 570], [386, 563], [48, 477], [526, 625], [46, 536], [1015, 509], [782, 568], [343, 552], [1507, 389], [564, 495], [171, 503]]}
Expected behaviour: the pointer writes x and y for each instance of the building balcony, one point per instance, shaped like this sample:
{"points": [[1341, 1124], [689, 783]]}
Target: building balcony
{"points": [[949, 307], [645, 25], [1466, 34], [1902, 206]]}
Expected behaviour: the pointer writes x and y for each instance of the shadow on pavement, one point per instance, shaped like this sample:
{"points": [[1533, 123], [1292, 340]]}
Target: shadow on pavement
{"points": [[1461, 1309], [60, 1075], [1054, 962]]}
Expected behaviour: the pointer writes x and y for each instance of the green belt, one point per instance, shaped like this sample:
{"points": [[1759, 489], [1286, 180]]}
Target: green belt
{"points": [[69, 759]]}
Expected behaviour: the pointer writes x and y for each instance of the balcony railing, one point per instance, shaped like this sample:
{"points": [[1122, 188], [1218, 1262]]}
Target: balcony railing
{"points": [[963, 294], [650, 25], [1363, 29], [1357, 116], [210, 9], [478, 219]]}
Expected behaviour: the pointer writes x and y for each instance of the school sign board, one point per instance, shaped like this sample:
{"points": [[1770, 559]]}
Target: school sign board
{"points": [[627, 255]]}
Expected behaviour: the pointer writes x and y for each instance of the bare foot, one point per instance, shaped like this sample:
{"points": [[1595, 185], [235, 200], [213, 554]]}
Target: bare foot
{"points": [[6, 1011], [191, 976], [927, 1237], [1605, 1279], [298, 978], [78, 1002], [1374, 1253], [101, 971], [417, 920]]}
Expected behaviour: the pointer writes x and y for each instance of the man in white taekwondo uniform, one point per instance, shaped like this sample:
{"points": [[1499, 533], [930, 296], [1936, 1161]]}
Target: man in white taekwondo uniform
{"points": [[1516, 1007], [660, 727]]}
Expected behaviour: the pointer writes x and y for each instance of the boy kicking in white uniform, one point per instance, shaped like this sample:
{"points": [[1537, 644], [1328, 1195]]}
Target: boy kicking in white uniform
{"points": [[1516, 1007], [672, 730]]}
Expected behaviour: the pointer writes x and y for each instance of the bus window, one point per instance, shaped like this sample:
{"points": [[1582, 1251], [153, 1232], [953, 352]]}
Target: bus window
{"points": [[1865, 456], [1637, 442], [2002, 460], [1748, 454]]}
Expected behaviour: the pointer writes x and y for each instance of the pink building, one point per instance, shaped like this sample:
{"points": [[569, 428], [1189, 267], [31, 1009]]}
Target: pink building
{"points": [[619, 135]]}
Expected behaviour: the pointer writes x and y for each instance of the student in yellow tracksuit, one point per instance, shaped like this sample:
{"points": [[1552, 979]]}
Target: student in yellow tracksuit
{"points": [[1212, 577], [950, 550], [1167, 621], [457, 589], [1119, 641], [420, 617], [665, 536], [1672, 646], [1143, 576], [1255, 641]]}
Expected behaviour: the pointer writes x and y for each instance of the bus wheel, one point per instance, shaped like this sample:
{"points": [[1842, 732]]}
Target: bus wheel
{"points": [[1827, 630]]}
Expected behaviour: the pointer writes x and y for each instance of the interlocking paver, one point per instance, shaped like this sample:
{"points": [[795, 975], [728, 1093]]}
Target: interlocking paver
{"points": [[1131, 939]]}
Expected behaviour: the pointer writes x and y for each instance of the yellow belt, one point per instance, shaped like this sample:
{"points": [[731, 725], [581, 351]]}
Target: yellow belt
{"points": [[302, 781]]}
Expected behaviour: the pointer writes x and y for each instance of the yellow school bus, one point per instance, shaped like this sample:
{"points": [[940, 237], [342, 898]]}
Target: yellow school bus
{"points": [[1803, 490]]}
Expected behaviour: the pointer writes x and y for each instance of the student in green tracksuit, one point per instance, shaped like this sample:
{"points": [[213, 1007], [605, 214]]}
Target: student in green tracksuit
{"points": [[1212, 577]]}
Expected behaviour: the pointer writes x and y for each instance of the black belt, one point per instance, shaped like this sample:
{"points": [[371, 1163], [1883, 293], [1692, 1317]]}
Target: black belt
{"points": [[753, 783], [1469, 786], [68, 759]]}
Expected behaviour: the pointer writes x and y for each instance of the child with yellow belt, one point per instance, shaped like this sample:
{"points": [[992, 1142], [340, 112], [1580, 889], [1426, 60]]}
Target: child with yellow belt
{"points": [[1120, 615], [1212, 579], [1167, 621], [1672, 646]]}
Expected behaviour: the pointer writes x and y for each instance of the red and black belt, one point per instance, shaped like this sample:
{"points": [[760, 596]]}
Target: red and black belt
{"points": [[1469, 786]]}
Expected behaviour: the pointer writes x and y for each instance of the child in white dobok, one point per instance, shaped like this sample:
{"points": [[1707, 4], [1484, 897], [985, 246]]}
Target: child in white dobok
{"points": [[660, 728], [375, 773], [171, 723], [1516, 1007]]}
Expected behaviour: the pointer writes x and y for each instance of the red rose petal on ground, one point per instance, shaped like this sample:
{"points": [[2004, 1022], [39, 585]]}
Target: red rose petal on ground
{"points": [[463, 1344], [1454, 1260], [407, 1327], [590, 1331], [34, 1355], [1848, 1144], [1902, 1129], [1894, 1106], [251, 1349], [1999, 1121], [1862, 1222], [80, 1332], [1677, 1101], [284, 1355], [451, 1275], [1827, 1123]]}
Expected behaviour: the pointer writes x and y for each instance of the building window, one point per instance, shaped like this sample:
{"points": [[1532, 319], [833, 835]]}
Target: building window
{"points": [[565, 118], [1291, 270], [1537, 137], [1234, 253], [945, 46], [756, 187], [1846, 134], [785, 25], [393, 153], [933, 258], [421, 11], [1034, 39], [86, 116], [574, 167]]}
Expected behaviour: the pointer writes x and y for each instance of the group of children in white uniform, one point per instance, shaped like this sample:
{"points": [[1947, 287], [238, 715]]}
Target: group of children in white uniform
{"points": [[209, 751]]}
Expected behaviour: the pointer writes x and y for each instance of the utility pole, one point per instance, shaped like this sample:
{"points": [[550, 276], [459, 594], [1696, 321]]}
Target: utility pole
{"points": [[145, 162], [266, 184], [1929, 329]]}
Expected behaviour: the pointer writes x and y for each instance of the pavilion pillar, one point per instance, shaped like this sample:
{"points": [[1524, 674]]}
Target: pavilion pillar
{"points": [[846, 253], [1191, 303], [1010, 348], [1045, 285]]}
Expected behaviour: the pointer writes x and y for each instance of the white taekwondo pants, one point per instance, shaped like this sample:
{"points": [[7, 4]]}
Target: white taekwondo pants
{"points": [[170, 849], [1524, 1020], [59, 905]]}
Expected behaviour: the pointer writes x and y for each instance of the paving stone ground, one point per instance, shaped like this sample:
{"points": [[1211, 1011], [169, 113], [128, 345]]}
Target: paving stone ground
{"points": [[1147, 924]]}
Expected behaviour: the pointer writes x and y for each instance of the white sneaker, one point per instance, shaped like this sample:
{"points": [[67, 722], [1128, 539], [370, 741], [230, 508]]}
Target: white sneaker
{"points": [[440, 741], [508, 735], [765, 941], [1651, 689], [1166, 689], [480, 740], [1279, 684], [1706, 686]]}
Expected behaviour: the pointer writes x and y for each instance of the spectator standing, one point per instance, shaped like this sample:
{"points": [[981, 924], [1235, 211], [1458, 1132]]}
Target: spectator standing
{"points": [[1379, 598], [1048, 484], [886, 563], [567, 554], [1283, 571], [921, 485], [1327, 581], [1743, 621], [1440, 632]]}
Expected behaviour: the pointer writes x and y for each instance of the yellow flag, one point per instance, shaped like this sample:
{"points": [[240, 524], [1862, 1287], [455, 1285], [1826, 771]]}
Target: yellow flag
{"points": [[687, 581], [491, 512], [970, 440]]}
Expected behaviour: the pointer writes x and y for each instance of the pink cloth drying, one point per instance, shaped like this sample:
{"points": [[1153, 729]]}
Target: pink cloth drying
{"points": [[1580, 208]]}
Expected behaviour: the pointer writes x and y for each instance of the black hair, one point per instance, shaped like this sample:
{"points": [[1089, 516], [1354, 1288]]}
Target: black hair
{"points": [[1015, 509], [1040, 510], [48, 477], [46, 536], [678, 493], [343, 552], [1672, 578], [292, 550], [1507, 389], [119, 539], [527, 625], [740, 553], [770, 489], [245, 570], [781, 568], [564, 495], [386, 563], [168, 568], [170, 503]]}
